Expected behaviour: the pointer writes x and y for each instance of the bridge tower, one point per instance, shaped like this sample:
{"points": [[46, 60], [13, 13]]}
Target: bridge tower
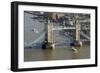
{"points": [[49, 41], [77, 30], [50, 32], [76, 41]]}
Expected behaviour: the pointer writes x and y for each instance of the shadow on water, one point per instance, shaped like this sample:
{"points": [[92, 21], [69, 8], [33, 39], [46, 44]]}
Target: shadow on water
{"points": [[76, 53]]}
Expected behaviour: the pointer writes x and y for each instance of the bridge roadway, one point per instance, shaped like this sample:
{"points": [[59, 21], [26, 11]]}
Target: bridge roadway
{"points": [[66, 36], [67, 28]]}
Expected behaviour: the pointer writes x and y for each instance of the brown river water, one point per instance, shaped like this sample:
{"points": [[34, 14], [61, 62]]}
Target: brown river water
{"points": [[31, 54]]}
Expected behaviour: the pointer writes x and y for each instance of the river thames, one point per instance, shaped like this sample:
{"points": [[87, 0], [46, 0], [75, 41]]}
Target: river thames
{"points": [[31, 54]]}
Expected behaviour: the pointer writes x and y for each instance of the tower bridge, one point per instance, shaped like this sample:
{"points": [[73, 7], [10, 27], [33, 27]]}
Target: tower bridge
{"points": [[50, 28]]}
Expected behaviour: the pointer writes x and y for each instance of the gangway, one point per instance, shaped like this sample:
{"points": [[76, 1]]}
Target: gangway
{"points": [[61, 28]]}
